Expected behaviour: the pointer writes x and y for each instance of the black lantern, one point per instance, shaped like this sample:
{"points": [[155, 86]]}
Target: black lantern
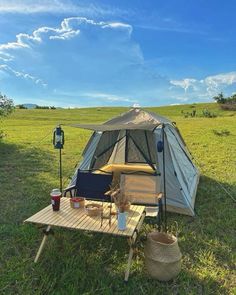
{"points": [[58, 138]]}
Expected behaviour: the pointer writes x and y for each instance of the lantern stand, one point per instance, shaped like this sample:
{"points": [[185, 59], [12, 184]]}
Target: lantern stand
{"points": [[58, 142], [60, 170]]}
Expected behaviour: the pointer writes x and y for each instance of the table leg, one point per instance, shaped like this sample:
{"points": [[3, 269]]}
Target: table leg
{"points": [[132, 241], [131, 252], [42, 243]]}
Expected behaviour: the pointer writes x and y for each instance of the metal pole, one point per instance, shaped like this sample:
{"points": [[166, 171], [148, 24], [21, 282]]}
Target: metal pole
{"points": [[60, 169], [164, 177]]}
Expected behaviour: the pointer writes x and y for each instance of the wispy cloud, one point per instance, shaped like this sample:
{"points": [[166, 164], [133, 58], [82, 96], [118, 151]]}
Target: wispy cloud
{"points": [[9, 70], [29, 6], [184, 83], [5, 57], [169, 29], [221, 79], [208, 86], [109, 97], [56, 7], [167, 24]]}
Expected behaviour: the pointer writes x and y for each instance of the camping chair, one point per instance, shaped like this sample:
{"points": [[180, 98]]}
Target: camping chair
{"points": [[91, 186], [142, 189]]}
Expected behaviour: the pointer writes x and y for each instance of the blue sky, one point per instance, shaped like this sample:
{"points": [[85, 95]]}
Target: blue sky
{"points": [[102, 53]]}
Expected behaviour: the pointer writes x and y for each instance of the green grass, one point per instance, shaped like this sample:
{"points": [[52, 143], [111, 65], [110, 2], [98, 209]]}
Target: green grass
{"points": [[85, 263]]}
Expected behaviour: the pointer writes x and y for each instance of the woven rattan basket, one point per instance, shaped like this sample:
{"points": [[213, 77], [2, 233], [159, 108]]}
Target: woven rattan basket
{"points": [[93, 209], [162, 256]]}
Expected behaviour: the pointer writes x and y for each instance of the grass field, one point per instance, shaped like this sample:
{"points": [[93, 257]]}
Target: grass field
{"points": [[84, 263]]}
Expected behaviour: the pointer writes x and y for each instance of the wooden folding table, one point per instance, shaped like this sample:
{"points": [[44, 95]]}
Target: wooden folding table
{"points": [[68, 217]]}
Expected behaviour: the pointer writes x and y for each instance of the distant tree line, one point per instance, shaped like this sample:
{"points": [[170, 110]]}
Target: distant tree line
{"points": [[45, 107], [22, 106], [226, 103]]}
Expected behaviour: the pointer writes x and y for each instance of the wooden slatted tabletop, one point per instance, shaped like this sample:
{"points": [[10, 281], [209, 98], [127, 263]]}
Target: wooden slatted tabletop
{"points": [[68, 217]]}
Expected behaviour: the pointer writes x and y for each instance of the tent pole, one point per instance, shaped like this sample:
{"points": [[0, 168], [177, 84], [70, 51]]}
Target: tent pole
{"points": [[164, 176], [126, 146]]}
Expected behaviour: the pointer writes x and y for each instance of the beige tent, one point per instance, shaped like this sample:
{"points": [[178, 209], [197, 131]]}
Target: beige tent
{"points": [[143, 143]]}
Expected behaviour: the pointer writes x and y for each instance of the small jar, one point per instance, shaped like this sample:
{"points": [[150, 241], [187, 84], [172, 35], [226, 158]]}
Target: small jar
{"points": [[77, 202]]}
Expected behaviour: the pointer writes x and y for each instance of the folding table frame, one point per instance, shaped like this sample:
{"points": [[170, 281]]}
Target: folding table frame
{"points": [[70, 218]]}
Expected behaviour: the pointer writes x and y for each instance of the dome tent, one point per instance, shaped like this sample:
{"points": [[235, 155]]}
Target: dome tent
{"points": [[129, 142]]}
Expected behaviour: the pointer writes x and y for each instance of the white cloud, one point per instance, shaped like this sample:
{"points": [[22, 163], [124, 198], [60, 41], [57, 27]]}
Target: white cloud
{"points": [[70, 28], [109, 97], [170, 25], [5, 57], [206, 87], [119, 25], [216, 81], [185, 83], [26, 40], [9, 70], [65, 36], [12, 45], [56, 7], [29, 6]]}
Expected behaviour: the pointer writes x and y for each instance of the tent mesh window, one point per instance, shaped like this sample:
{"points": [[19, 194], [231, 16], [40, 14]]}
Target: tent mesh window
{"points": [[104, 148], [140, 147]]}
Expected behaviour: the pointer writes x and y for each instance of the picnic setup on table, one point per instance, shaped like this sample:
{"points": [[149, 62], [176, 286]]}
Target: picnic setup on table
{"points": [[134, 165]]}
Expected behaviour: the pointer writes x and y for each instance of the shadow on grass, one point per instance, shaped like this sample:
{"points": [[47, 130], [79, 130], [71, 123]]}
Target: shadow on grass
{"points": [[24, 181], [24, 189], [84, 263]]}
